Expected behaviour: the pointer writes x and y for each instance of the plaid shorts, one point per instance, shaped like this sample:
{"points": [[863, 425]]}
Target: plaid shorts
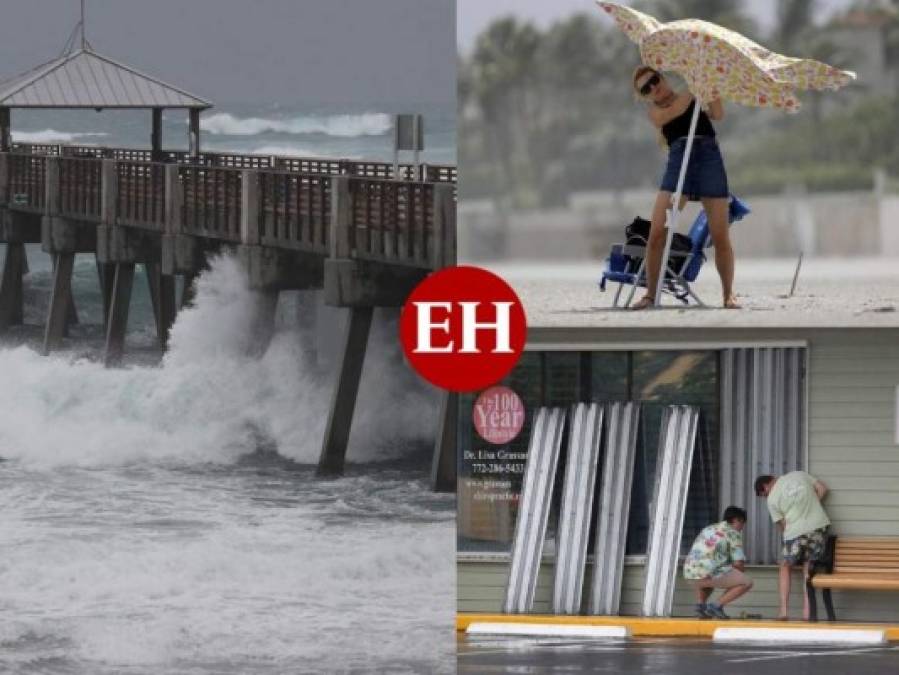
{"points": [[805, 548]]}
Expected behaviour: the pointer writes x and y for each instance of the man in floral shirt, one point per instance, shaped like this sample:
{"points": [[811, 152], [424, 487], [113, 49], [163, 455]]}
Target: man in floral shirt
{"points": [[717, 561]]}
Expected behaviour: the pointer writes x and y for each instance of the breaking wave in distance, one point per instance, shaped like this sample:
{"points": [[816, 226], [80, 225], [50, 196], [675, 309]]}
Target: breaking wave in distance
{"points": [[346, 126], [52, 136]]}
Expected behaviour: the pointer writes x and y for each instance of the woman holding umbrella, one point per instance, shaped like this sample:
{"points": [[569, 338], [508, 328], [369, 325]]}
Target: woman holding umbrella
{"points": [[705, 181], [716, 64]]}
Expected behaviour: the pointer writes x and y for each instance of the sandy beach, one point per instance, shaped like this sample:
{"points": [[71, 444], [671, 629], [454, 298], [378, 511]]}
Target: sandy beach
{"points": [[830, 292]]}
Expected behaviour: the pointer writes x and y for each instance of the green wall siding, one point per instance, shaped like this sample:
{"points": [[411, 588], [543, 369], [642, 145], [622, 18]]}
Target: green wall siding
{"points": [[852, 390]]}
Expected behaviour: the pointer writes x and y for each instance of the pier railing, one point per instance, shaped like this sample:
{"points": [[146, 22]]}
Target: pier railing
{"points": [[408, 223], [428, 173], [211, 202], [140, 194], [78, 187], [390, 221], [26, 177], [294, 210]]}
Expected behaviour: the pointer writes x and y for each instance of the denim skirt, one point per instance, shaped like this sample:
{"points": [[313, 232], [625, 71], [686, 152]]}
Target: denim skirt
{"points": [[705, 177]]}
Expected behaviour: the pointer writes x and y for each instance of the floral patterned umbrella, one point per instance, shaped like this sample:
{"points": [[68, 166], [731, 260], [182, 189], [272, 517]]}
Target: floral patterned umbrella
{"points": [[718, 63]]}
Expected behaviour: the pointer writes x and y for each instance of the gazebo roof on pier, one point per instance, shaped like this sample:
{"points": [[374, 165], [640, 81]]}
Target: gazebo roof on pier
{"points": [[84, 79]]}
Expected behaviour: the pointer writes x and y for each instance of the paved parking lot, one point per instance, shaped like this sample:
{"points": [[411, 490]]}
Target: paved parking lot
{"points": [[526, 656]]}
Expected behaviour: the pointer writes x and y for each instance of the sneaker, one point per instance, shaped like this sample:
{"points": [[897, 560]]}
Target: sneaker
{"points": [[715, 611], [701, 611]]}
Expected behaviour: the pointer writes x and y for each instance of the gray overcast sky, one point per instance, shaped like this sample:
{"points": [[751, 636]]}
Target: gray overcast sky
{"points": [[475, 15], [319, 51]]}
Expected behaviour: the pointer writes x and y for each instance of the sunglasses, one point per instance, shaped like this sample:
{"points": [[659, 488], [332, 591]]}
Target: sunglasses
{"points": [[650, 84]]}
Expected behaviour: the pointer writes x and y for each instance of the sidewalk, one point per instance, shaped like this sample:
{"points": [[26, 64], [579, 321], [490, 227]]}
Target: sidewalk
{"points": [[666, 627]]}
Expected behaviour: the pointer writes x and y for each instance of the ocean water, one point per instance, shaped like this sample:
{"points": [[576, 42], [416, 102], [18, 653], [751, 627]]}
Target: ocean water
{"points": [[165, 517], [251, 566], [348, 132]]}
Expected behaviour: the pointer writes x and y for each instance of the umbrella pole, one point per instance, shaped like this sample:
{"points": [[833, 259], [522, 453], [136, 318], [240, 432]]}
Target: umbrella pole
{"points": [[673, 214]]}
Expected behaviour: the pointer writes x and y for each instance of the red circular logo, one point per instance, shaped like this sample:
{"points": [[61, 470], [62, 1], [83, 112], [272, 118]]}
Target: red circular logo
{"points": [[463, 328], [498, 415]]}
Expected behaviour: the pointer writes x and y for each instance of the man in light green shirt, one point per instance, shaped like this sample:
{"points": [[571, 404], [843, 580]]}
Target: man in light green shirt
{"points": [[794, 502]]}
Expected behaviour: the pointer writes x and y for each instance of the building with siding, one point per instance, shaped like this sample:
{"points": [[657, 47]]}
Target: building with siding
{"points": [[845, 435]]}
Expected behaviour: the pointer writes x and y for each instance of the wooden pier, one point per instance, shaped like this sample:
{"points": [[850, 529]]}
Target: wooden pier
{"points": [[351, 228]]}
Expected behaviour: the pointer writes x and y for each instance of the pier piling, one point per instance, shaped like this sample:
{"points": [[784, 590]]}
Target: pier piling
{"points": [[106, 277], [443, 467], [189, 289], [60, 301], [346, 388], [162, 297], [118, 312], [264, 328], [12, 304]]}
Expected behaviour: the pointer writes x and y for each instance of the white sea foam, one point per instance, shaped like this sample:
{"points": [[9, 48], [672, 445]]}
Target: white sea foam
{"points": [[211, 400], [364, 124], [52, 136], [166, 570]]}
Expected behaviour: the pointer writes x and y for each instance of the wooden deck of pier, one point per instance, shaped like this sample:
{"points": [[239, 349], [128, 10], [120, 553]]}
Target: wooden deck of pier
{"points": [[351, 228]]}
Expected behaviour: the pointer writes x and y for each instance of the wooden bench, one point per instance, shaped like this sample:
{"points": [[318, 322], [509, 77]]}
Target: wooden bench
{"points": [[853, 563]]}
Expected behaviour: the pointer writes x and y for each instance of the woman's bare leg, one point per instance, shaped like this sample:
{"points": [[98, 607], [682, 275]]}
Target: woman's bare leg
{"points": [[717, 213], [654, 248]]}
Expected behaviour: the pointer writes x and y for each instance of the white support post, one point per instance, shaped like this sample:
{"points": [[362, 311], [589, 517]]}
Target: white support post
{"points": [[673, 213]]}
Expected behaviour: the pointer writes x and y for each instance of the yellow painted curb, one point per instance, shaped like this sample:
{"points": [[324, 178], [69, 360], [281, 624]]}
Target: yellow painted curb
{"points": [[674, 627]]}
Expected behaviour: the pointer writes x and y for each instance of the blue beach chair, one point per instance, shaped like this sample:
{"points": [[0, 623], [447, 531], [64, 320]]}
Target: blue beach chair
{"points": [[625, 264]]}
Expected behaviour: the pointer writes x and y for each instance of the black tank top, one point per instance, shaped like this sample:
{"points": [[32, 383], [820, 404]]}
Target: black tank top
{"points": [[680, 125]]}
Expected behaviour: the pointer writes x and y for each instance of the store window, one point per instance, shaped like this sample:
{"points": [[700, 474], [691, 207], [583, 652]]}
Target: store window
{"points": [[489, 490], [659, 379]]}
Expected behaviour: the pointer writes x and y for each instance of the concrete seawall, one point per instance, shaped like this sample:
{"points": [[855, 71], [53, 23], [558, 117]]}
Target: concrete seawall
{"points": [[827, 224]]}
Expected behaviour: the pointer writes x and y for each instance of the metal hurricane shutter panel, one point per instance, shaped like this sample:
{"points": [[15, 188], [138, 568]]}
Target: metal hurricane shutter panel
{"points": [[584, 439], [762, 403], [533, 509], [677, 442], [622, 430]]}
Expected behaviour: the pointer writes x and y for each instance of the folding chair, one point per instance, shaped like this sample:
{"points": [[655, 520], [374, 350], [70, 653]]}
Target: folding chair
{"points": [[626, 263]]}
